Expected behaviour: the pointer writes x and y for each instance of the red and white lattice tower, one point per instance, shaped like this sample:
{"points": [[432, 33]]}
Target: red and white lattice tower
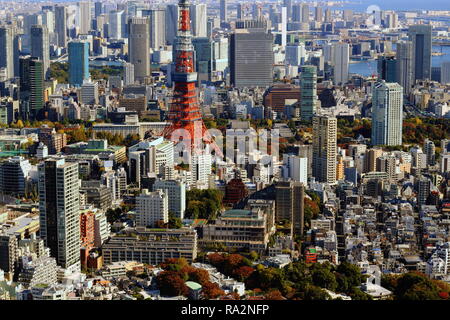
{"points": [[184, 115]]}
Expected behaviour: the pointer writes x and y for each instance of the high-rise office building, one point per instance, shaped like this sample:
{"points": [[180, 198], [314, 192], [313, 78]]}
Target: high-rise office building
{"points": [[288, 5], [157, 24], [420, 35], [387, 114], [220, 54], [59, 207], [240, 11], [297, 12], [341, 60], [48, 20], [305, 13], [78, 62], [98, 9], [347, 15], [290, 204], [14, 173], [324, 148], [61, 25], [198, 20], [284, 20], [386, 67], [139, 47], [405, 65], [445, 72], [40, 47], [84, 17], [29, 21], [203, 58], [251, 58], [116, 26], [7, 50], [328, 18], [171, 23], [319, 14], [31, 86], [295, 54], [308, 84], [224, 11]]}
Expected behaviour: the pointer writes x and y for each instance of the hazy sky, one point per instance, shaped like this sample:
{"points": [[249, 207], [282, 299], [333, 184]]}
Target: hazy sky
{"points": [[405, 4]]}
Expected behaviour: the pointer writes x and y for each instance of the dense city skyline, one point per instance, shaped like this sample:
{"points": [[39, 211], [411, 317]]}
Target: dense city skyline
{"points": [[224, 150]]}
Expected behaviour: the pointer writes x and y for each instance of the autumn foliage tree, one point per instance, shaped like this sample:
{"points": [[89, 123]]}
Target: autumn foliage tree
{"points": [[211, 290], [274, 295], [230, 264], [170, 283], [242, 273]]}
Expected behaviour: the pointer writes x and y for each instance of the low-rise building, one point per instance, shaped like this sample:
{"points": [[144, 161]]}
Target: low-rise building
{"points": [[151, 246]]}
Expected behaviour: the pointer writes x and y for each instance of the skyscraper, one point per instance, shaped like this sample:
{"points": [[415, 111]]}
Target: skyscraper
{"points": [[171, 23], [445, 72], [61, 25], [85, 19], [48, 19], [405, 66], [387, 114], [305, 13], [308, 84], [386, 66], [328, 15], [40, 46], [199, 20], [98, 9], [59, 207], [157, 20], [288, 5], [240, 11], [139, 47], [116, 24], [224, 11], [29, 21], [31, 86], [319, 14], [203, 58], [420, 35], [284, 20], [324, 148], [347, 15], [341, 59], [290, 204], [295, 54], [297, 12], [78, 62], [251, 55], [7, 50]]}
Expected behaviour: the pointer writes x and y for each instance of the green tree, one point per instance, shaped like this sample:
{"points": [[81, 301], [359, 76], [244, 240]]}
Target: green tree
{"points": [[325, 279], [174, 221]]}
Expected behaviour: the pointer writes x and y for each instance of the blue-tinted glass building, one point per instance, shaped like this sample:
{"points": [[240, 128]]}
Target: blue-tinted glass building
{"points": [[78, 62]]}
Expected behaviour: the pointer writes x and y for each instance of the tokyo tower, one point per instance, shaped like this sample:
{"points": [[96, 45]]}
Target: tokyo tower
{"points": [[184, 112]]}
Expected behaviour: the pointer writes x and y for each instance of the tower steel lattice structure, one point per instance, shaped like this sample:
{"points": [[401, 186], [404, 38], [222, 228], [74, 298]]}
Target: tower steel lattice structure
{"points": [[184, 112]]}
